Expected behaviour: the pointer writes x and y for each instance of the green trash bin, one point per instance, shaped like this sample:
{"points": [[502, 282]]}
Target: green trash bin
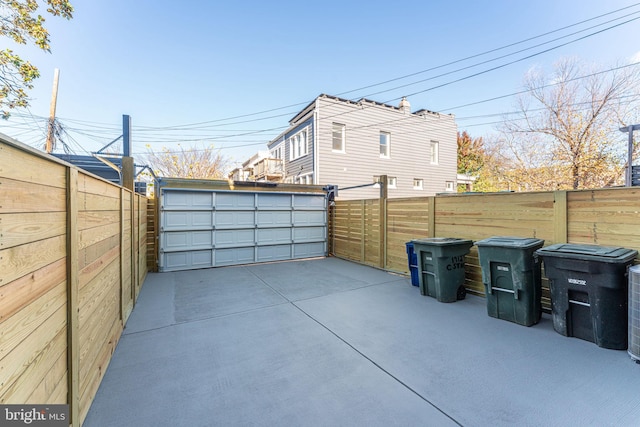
{"points": [[588, 285], [511, 277], [441, 267]]}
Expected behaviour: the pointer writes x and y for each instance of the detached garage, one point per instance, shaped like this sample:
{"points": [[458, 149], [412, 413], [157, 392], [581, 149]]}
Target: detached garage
{"points": [[213, 223]]}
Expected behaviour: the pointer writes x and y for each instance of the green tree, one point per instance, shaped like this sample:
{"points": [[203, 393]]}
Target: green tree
{"points": [[20, 21], [193, 162], [470, 154], [476, 160]]}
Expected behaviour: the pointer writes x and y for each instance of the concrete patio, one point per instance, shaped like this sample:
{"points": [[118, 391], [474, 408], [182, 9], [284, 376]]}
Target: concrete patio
{"points": [[328, 342]]}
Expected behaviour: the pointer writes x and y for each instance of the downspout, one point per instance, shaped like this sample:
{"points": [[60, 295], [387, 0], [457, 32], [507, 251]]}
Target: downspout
{"points": [[316, 131]]}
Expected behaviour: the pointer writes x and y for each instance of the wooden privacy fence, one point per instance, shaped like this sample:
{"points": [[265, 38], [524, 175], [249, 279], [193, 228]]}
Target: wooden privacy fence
{"points": [[608, 217], [72, 260]]}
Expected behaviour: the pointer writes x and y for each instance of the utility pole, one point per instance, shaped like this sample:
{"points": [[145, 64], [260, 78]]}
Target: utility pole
{"points": [[628, 175], [52, 113]]}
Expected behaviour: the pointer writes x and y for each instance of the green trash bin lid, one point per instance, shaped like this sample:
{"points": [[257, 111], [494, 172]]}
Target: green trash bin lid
{"points": [[442, 241], [589, 252], [511, 242]]}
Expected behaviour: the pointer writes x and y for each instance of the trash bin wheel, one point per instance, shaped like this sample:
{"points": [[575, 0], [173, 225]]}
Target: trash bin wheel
{"points": [[462, 292]]}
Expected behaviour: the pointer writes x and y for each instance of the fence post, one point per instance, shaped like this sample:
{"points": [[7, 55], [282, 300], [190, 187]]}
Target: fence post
{"points": [[132, 234], [384, 194], [363, 254], [122, 274], [73, 331], [560, 232], [431, 211]]}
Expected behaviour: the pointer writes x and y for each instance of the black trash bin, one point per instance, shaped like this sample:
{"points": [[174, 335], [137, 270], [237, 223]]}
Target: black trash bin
{"points": [[588, 285], [441, 267], [511, 277]]}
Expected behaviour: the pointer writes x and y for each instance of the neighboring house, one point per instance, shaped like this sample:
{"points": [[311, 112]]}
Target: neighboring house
{"points": [[260, 167], [351, 143]]}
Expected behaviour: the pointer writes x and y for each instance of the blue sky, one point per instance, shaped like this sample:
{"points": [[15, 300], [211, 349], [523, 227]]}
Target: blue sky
{"points": [[173, 64]]}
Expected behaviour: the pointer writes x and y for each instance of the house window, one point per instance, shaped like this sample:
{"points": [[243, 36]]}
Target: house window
{"points": [[298, 145], [385, 138], [338, 137], [449, 186], [304, 179], [418, 184], [435, 155], [391, 180], [277, 153]]}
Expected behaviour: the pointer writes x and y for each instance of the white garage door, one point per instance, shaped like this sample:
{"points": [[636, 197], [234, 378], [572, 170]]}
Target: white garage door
{"points": [[200, 229]]}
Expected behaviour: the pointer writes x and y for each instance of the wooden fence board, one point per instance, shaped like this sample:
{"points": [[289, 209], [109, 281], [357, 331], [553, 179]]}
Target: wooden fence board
{"points": [[22, 228], [98, 234], [93, 202], [24, 166], [19, 197], [91, 219], [26, 259], [46, 389], [21, 292], [30, 352], [40, 365], [16, 328]]}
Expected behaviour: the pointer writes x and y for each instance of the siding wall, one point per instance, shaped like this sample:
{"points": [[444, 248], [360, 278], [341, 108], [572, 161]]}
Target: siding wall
{"points": [[72, 260], [302, 165], [410, 148], [607, 217]]}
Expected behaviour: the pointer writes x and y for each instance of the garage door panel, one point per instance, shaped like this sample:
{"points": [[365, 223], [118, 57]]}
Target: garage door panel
{"points": [[308, 234], [307, 250], [271, 236], [309, 218], [235, 256], [235, 219], [173, 261], [274, 219], [273, 253], [231, 238], [179, 199], [235, 201], [309, 202], [181, 220], [186, 240], [274, 201]]}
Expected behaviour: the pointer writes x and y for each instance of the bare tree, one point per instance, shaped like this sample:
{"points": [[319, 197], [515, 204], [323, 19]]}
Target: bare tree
{"points": [[193, 162], [566, 134]]}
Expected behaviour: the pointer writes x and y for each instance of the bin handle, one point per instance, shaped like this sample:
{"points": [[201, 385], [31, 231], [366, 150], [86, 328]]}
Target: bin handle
{"points": [[515, 292]]}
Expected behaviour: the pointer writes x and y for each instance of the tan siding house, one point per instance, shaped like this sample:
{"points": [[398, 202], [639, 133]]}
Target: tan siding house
{"points": [[350, 143]]}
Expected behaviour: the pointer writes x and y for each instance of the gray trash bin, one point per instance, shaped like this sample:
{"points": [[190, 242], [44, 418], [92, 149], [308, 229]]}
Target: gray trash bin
{"points": [[511, 277], [441, 267]]}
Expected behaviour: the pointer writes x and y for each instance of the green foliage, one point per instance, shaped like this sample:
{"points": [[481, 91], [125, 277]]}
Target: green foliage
{"points": [[470, 154], [21, 22]]}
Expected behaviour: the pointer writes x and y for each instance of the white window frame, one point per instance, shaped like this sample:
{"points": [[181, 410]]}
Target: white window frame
{"points": [[298, 145], [418, 184], [393, 182], [339, 127], [450, 186], [306, 178], [435, 152], [387, 145]]}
